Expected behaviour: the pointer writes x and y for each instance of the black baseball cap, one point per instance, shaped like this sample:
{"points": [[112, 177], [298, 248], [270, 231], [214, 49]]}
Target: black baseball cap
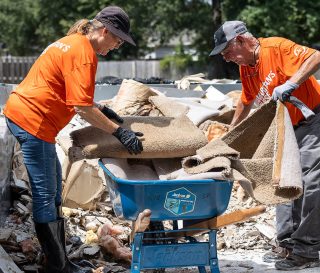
{"points": [[225, 33], [116, 20]]}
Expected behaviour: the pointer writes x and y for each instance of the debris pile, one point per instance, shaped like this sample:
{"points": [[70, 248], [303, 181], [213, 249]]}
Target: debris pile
{"points": [[101, 238], [97, 236], [256, 233]]}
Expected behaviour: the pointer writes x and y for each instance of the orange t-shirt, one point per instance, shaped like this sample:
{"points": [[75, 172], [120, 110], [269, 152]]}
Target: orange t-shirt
{"points": [[279, 59], [62, 77]]}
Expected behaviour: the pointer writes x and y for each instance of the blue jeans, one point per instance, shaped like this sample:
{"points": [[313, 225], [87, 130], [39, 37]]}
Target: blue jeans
{"points": [[44, 171]]}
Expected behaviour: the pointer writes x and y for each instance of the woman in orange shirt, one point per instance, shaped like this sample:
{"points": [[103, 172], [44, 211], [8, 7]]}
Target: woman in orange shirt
{"points": [[60, 84]]}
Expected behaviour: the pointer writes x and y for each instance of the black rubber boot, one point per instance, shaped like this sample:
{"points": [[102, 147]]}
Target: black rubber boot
{"points": [[52, 239], [296, 262]]}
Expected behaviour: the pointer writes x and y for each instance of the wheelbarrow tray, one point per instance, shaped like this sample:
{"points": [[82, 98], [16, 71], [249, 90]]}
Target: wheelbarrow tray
{"points": [[168, 199]]}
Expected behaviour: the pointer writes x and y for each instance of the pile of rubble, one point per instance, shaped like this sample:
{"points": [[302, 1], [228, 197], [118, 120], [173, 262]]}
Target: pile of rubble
{"points": [[96, 236], [101, 238], [256, 233]]}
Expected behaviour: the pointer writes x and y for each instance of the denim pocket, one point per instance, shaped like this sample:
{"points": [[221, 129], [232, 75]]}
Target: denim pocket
{"points": [[20, 134], [22, 137]]}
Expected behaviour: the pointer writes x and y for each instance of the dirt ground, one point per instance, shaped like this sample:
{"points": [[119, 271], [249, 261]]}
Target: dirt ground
{"points": [[244, 262]]}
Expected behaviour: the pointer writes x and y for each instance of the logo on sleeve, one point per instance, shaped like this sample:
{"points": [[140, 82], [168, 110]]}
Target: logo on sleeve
{"points": [[300, 50], [63, 47]]}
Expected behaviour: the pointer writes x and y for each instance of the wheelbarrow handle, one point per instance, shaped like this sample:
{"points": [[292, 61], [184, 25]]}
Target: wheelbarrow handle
{"points": [[221, 221], [305, 110]]}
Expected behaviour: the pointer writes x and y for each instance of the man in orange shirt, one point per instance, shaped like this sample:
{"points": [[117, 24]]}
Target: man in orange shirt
{"points": [[60, 83], [276, 68]]}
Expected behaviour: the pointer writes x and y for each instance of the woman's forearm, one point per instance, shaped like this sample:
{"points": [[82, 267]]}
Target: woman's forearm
{"points": [[96, 118]]}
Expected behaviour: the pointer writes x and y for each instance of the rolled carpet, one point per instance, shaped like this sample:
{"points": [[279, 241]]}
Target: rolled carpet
{"points": [[164, 137], [269, 155]]}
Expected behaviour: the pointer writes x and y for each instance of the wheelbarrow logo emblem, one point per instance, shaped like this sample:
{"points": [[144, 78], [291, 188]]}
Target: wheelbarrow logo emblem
{"points": [[180, 201]]}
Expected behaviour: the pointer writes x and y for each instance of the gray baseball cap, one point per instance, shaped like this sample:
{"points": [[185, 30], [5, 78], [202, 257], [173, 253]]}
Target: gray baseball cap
{"points": [[225, 33]]}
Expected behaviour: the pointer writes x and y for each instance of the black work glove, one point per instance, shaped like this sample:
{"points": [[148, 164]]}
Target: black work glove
{"points": [[130, 140], [109, 113]]}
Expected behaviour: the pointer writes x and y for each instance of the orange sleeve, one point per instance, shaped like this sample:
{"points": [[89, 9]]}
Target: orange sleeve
{"points": [[292, 56], [80, 84]]}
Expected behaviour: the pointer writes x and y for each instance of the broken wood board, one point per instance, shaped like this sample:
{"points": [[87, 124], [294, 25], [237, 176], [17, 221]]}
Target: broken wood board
{"points": [[6, 263]]}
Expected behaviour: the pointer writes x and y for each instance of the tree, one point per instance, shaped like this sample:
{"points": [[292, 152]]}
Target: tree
{"points": [[158, 21], [30, 25], [42, 22], [297, 20], [18, 25], [218, 68], [294, 19]]}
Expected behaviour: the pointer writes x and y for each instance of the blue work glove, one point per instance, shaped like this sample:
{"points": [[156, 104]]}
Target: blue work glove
{"points": [[109, 113], [283, 91], [129, 139]]}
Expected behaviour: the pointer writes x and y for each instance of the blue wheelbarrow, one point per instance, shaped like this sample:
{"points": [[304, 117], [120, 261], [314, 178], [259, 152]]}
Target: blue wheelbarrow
{"points": [[196, 202]]}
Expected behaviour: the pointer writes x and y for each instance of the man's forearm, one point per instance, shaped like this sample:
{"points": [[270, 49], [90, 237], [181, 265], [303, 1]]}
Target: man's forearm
{"points": [[241, 113], [99, 106], [96, 118], [307, 69]]}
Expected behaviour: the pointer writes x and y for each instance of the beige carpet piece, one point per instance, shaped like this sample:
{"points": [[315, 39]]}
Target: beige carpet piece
{"points": [[181, 174], [65, 143], [213, 129], [214, 155], [73, 153], [164, 137], [269, 154], [248, 134], [132, 99], [235, 95], [286, 168], [83, 186], [121, 168], [195, 111], [165, 166], [214, 158], [168, 107], [185, 82], [225, 116], [19, 170], [198, 112]]}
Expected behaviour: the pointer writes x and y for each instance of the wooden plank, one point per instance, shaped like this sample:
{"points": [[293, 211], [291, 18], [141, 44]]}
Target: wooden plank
{"points": [[11, 69], [5, 233], [19, 69], [5, 69], [221, 221], [1, 69], [6, 263], [16, 64], [24, 69]]}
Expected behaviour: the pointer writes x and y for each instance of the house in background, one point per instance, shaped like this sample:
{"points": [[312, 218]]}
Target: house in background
{"points": [[158, 51]]}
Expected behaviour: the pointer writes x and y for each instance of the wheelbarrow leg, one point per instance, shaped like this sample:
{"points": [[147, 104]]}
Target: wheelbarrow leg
{"points": [[136, 253], [202, 269], [214, 266]]}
